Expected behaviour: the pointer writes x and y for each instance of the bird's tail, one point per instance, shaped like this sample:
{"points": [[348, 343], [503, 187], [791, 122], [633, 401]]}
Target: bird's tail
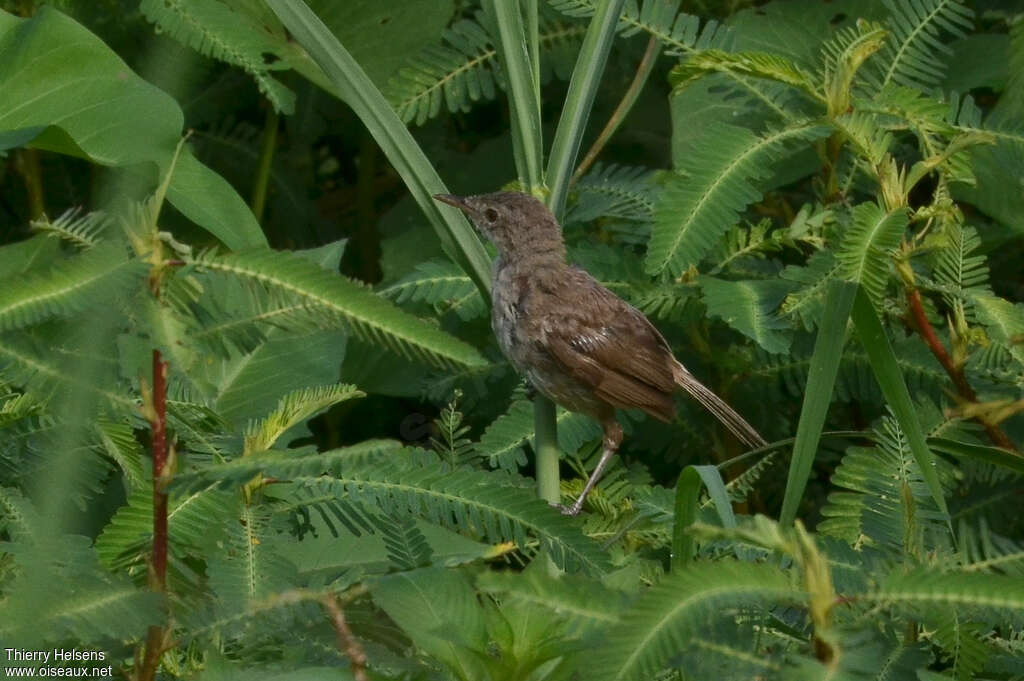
{"points": [[713, 403]]}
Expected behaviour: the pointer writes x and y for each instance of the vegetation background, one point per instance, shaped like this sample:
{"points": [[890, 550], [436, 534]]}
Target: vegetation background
{"points": [[253, 421]]}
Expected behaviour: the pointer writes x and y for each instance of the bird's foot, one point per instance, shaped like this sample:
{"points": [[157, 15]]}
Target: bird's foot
{"points": [[573, 510], [531, 390]]}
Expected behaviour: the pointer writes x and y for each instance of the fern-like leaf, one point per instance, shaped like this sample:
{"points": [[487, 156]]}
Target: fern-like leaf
{"points": [[681, 33], [623, 192], [406, 546], [464, 69], [293, 409], [989, 595], [83, 231], [959, 270], [915, 54], [864, 252], [665, 620], [220, 31], [889, 504], [468, 501], [719, 179], [504, 439], [249, 568], [749, 307], [90, 279], [439, 283], [756, 64], [370, 317]]}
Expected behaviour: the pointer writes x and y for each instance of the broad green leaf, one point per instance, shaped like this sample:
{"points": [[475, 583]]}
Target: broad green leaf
{"points": [[80, 97], [439, 611]]}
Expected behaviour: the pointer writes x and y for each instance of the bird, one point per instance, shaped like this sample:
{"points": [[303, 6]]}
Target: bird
{"points": [[574, 340]]}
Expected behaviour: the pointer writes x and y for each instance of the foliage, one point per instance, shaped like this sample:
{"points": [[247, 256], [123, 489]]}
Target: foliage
{"points": [[348, 468]]}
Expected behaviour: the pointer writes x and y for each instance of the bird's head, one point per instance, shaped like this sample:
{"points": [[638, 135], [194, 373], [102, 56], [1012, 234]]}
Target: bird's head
{"points": [[516, 223]]}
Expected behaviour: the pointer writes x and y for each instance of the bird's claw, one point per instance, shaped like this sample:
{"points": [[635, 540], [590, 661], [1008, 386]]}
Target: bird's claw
{"points": [[573, 510]]}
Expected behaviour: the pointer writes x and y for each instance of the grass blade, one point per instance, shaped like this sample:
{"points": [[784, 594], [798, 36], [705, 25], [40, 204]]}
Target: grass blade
{"points": [[687, 494], [586, 76], [821, 379], [527, 136], [894, 388]]}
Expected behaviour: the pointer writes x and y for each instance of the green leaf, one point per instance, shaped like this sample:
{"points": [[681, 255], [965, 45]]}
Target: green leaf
{"points": [[821, 379], [523, 91], [749, 307], [719, 178], [864, 252], [687, 492], [248, 385], [916, 54], [54, 72], [369, 316], [966, 450], [757, 64], [226, 33], [466, 500], [666, 619], [579, 100], [457, 237], [76, 284], [894, 388], [439, 611], [986, 592], [294, 408]]}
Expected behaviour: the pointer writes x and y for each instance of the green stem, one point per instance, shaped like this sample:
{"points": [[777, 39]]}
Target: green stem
{"points": [[546, 449], [586, 76], [533, 47], [259, 187], [643, 72], [27, 164], [527, 140]]}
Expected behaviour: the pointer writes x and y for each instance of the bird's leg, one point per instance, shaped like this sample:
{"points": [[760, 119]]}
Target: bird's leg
{"points": [[612, 440]]}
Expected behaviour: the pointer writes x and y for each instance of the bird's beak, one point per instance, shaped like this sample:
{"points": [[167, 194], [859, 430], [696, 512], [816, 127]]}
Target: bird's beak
{"points": [[452, 200]]}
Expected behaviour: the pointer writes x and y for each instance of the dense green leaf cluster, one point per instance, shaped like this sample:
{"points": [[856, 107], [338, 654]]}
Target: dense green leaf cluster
{"points": [[832, 241]]}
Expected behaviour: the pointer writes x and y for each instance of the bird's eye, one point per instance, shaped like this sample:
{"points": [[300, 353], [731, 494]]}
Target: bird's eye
{"points": [[491, 215]]}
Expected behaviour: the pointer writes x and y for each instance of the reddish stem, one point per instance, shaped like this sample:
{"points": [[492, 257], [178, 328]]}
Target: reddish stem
{"points": [[159, 428], [156, 636], [963, 388]]}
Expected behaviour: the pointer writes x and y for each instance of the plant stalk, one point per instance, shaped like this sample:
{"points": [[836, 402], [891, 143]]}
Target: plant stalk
{"points": [[545, 446], [262, 180], [347, 642], [956, 374], [157, 635], [27, 163], [643, 72]]}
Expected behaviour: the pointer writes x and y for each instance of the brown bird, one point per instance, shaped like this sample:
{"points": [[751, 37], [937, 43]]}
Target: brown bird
{"points": [[577, 342]]}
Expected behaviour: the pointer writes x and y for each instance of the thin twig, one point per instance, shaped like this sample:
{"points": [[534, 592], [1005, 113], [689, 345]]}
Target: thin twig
{"points": [[963, 388], [643, 71], [347, 642]]}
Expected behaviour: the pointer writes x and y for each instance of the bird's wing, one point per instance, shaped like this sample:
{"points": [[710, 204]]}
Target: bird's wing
{"points": [[614, 350]]}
